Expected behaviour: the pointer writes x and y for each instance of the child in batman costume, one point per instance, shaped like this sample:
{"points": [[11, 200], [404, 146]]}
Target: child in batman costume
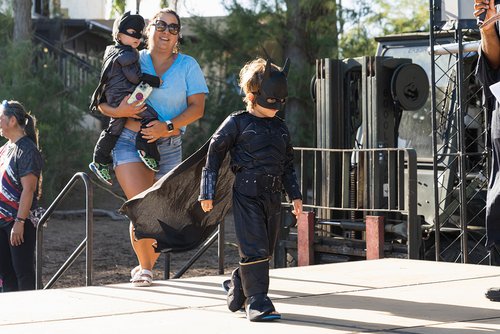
{"points": [[120, 74], [262, 161]]}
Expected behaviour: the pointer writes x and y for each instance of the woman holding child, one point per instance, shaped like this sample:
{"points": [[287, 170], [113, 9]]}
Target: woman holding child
{"points": [[179, 101]]}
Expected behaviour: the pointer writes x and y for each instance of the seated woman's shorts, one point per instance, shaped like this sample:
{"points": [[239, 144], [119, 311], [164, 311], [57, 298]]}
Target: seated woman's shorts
{"points": [[170, 151]]}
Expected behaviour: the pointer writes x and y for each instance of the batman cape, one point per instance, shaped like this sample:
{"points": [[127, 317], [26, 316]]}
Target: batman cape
{"points": [[169, 211], [110, 55]]}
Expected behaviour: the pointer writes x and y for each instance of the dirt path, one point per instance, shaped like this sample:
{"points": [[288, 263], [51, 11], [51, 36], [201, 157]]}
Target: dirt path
{"points": [[113, 254]]}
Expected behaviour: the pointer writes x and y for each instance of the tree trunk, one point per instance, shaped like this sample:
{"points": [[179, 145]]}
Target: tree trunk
{"points": [[22, 20], [298, 119], [55, 10], [173, 4]]}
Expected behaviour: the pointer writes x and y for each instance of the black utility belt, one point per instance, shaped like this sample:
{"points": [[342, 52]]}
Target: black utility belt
{"points": [[253, 184]]}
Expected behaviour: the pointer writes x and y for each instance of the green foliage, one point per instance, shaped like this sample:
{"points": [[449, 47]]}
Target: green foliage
{"points": [[373, 18], [118, 7], [321, 26], [357, 42], [6, 6], [30, 75], [223, 47], [304, 30], [222, 52]]}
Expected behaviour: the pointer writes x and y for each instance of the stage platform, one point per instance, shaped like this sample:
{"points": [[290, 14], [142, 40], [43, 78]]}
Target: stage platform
{"points": [[378, 296]]}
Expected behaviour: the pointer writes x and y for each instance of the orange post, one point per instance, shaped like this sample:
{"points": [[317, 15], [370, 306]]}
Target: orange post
{"points": [[374, 237], [305, 239]]}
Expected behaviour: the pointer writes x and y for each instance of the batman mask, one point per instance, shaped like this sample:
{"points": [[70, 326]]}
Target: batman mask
{"points": [[131, 21], [274, 87]]}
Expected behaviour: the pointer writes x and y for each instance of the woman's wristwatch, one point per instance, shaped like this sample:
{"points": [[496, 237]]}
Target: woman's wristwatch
{"points": [[19, 219], [170, 126]]}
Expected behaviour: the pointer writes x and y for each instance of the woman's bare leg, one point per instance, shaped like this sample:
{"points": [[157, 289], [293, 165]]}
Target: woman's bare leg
{"points": [[134, 178]]}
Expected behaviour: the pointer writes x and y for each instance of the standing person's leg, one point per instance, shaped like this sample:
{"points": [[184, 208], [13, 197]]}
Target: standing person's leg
{"points": [[23, 258], [134, 178], [171, 155], [251, 227], [493, 196], [273, 208], [6, 269]]}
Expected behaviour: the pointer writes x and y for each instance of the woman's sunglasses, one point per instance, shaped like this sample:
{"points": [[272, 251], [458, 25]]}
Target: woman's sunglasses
{"points": [[161, 26]]}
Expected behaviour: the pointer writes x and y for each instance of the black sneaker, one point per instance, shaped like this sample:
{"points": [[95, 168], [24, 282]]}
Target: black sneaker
{"points": [[493, 294], [151, 163], [102, 172]]}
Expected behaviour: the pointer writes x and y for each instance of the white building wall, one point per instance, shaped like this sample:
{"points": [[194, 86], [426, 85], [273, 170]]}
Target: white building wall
{"points": [[101, 9], [89, 9]]}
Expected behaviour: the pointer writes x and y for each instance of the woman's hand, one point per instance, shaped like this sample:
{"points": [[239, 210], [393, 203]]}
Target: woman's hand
{"points": [[17, 234], [124, 109], [207, 205], [480, 6], [130, 110], [156, 129]]}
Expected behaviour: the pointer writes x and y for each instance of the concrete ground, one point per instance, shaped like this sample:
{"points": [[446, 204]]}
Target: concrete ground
{"points": [[379, 296]]}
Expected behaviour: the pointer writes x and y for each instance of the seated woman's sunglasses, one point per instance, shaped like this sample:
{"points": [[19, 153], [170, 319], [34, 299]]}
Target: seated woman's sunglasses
{"points": [[161, 26]]}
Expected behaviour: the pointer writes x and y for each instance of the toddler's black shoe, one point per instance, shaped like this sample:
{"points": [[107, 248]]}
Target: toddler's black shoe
{"points": [[151, 163], [102, 172]]}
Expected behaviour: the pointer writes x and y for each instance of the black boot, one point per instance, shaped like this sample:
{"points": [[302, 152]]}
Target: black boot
{"points": [[260, 308], [493, 294], [494, 255], [255, 280], [235, 296]]}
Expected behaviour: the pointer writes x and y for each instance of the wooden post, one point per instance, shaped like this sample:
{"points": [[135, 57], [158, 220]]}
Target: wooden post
{"points": [[374, 237], [305, 239]]}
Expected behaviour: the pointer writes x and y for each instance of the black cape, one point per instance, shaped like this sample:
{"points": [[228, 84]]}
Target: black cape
{"points": [[169, 211], [106, 67]]}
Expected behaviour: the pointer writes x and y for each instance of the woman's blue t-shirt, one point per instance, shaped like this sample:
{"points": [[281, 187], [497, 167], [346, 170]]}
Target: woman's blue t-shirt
{"points": [[184, 78]]}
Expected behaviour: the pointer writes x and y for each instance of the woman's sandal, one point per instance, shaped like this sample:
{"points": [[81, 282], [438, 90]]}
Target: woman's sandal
{"points": [[142, 277], [134, 271]]}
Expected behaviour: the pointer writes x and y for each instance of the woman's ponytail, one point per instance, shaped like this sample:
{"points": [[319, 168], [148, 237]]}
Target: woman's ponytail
{"points": [[30, 128]]}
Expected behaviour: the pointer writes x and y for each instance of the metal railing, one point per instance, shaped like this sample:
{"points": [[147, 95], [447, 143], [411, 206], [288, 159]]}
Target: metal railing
{"points": [[86, 244], [345, 185], [217, 235], [74, 70]]}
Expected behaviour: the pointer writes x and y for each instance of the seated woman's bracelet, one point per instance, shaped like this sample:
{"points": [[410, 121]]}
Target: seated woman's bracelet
{"points": [[19, 219]]}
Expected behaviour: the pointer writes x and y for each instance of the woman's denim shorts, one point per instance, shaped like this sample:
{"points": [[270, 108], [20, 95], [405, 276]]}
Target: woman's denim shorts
{"points": [[170, 151]]}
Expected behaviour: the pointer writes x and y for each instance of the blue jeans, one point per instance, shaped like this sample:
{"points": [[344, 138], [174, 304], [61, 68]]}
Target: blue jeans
{"points": [[17, 263], [170, 151]]}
